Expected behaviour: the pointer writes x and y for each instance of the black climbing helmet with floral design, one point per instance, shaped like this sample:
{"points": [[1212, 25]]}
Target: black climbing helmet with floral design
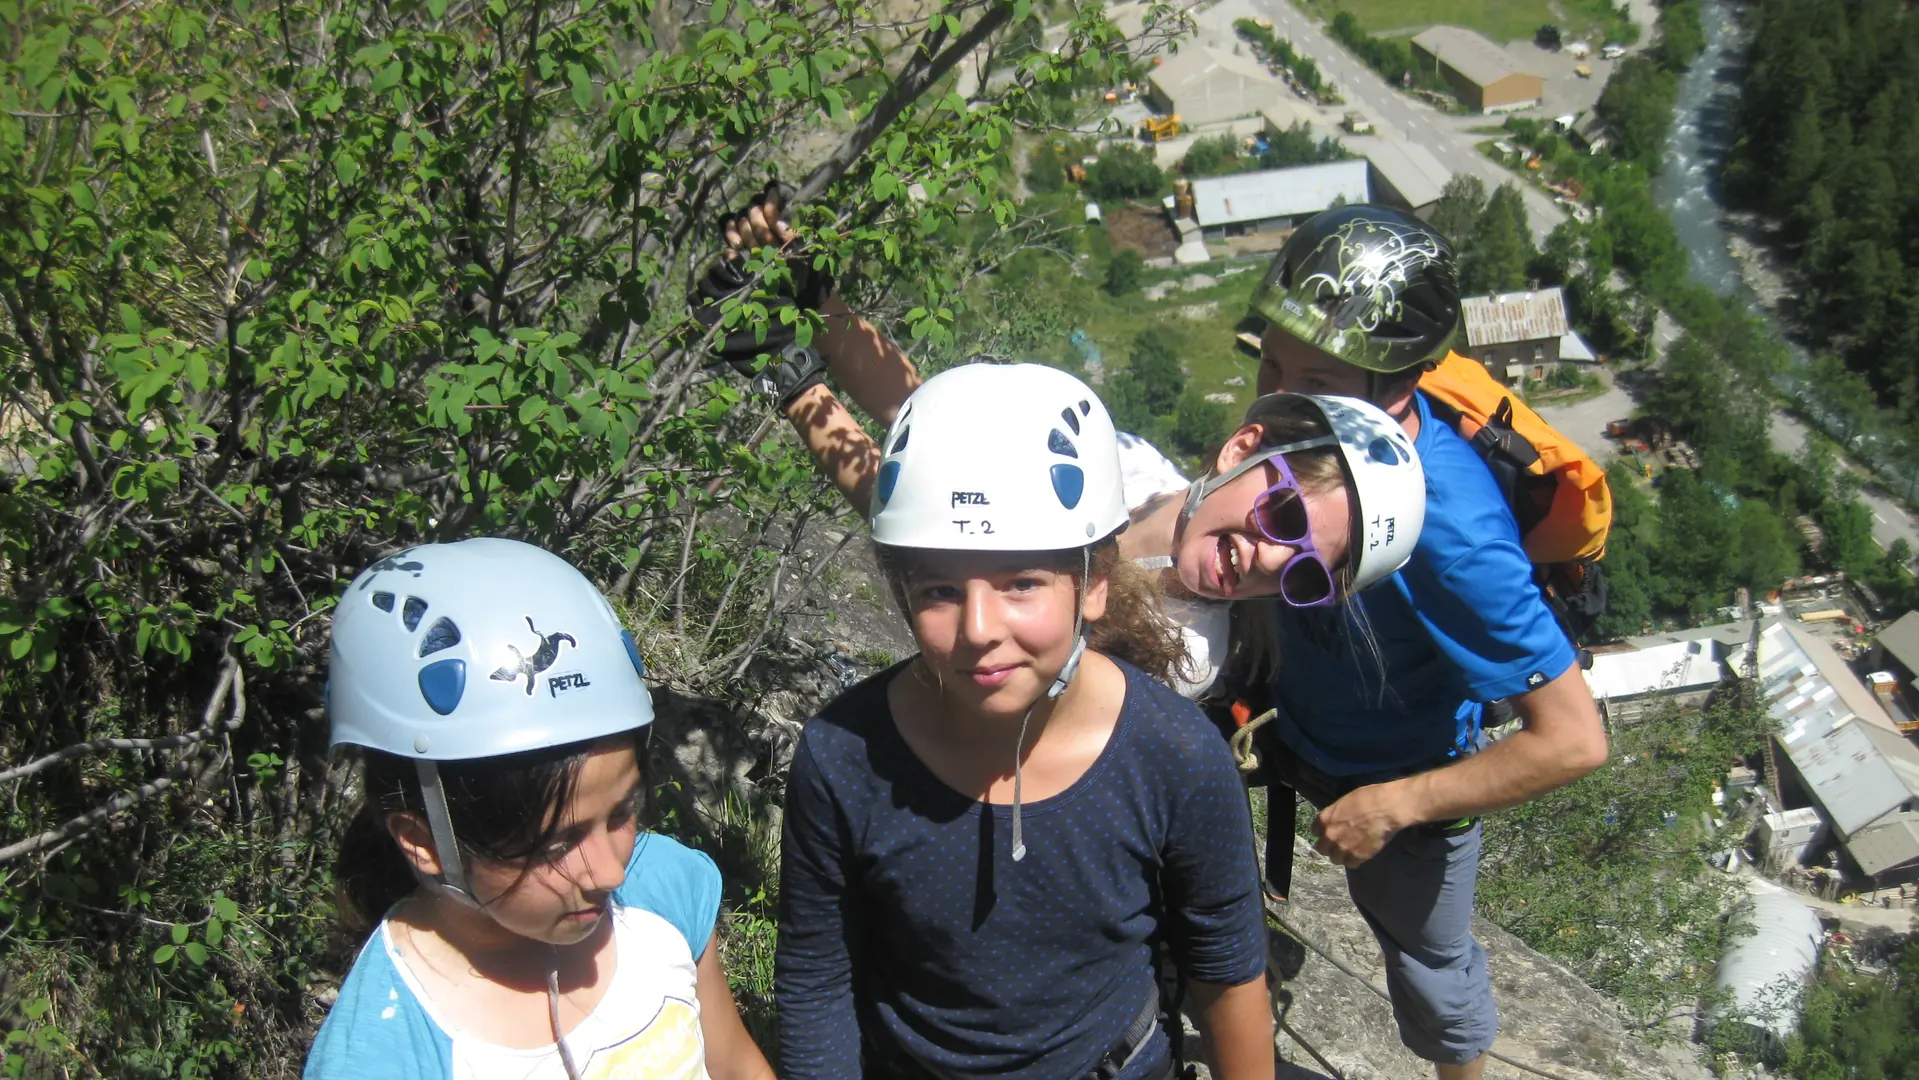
{"points": [[1373, 286]]}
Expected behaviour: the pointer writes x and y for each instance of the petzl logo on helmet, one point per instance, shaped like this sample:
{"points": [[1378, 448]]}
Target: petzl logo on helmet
{"points": [[391, 562], [542, 658], [565, 681]]}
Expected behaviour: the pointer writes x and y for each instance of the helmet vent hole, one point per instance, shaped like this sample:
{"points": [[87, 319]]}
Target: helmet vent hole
{"points": [[383, 601], [441, 635], [412, 612], [1072, 421], [900, 443], [1059, 444], [1085, 407]]}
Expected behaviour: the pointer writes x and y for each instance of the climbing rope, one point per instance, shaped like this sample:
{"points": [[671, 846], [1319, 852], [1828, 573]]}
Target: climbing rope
{"points": [[1242, 741], [1273, 909]]}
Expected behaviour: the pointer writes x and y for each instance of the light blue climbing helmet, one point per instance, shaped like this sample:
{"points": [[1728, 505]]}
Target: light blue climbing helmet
{"points": [[477, 649]]}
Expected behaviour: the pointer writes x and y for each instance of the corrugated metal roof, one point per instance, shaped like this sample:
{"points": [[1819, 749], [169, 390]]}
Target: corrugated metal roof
{"points": [[1409, 168], [1885, 844], [1508, 317], [1273, 193], [1765, 967], [1901, 639], [1467, 53], [1680, 666], [1856, 776]]}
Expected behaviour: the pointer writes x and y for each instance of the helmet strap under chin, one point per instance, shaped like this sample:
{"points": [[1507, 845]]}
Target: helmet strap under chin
{"points": [[1053, 693], [451, 879]]}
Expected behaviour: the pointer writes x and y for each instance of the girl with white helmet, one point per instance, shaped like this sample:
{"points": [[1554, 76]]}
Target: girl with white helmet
{"points": [[524, 925], [982, 842]]}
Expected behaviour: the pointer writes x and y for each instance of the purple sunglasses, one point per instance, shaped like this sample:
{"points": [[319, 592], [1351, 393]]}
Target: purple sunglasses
{"points": [[1281, 517]]}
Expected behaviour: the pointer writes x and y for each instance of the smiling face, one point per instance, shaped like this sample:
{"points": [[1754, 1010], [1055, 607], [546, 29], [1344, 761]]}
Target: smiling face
{"points": [[1220, 551], [559, 894], [996, 628]]}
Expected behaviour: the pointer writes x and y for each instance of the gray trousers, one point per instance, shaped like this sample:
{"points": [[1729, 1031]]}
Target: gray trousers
{"points": [[1417, 894]]}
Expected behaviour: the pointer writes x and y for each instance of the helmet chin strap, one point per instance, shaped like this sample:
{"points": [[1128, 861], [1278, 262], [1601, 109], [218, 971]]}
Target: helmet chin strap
{"points": [[451, 880], [1052, 694]]}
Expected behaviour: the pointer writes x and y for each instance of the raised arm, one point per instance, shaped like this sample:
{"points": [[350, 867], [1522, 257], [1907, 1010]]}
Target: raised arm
{"points": [[876, 373]]}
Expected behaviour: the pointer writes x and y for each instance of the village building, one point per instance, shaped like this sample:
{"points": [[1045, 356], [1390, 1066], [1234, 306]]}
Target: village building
{"points": [[1203, 85], [1478, 71], [1404, 174], [1521, 336], [1273, 199]]}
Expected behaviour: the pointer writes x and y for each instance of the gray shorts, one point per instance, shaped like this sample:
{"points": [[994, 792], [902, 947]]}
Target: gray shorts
{"points": [[1417, 894]]}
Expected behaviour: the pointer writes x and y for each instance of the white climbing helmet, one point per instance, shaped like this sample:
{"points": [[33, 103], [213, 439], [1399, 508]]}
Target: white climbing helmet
{"points": [[1388, 482], [999, 457], [477, 649]]}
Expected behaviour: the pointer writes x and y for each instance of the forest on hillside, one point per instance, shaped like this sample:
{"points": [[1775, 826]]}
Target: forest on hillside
{"points": [[1828, 150]]}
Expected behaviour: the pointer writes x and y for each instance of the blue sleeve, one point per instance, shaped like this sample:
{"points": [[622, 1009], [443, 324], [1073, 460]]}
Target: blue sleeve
{"points": [[377, 1030], [1487, 617], [820, 917], [676, 883], [1210, 876]]}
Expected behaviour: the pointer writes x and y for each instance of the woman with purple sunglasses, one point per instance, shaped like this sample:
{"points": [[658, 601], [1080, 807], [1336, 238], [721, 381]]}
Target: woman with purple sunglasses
{"points": [[1313, 499]]}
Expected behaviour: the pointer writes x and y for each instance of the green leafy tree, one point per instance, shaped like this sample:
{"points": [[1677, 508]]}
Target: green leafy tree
{"points": [[1198, 424], [1594, 876], [1461, 202], [1154, 364], [1123, 272], [1213, 155], [1296, 146], [286, 286], [1124, 172], [1500, 247], [1637, 106], [1847, 397]]}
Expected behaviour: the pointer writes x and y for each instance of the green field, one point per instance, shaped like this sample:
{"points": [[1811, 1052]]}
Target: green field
{"points": [[1500, 20], [1200, 323]]}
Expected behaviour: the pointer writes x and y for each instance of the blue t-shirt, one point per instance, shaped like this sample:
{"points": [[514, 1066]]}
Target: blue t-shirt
{"points": [[906, 927], [379, 1029], [1396, 678]]}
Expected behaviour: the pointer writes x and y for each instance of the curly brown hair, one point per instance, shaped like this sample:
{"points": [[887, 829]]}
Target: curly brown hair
{"points": [[1133, 629]]}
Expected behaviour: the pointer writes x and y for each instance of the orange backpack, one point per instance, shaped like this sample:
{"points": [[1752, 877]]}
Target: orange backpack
{"points": [[1557, 492]]}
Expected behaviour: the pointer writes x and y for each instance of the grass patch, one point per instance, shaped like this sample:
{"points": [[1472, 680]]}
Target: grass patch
{"points": [[1500, 20], [1201, 323]]}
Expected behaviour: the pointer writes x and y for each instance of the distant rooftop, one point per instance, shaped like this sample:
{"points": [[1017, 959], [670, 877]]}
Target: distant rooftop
{"points": [[1678, 666], [1467, 53], [1504, 318], [1901, 640], [1410, 168], [1275, 193]]}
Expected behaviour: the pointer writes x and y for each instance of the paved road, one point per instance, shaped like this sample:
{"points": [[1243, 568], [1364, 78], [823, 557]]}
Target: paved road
{"points": [[1890, 520], [1365, 91]]}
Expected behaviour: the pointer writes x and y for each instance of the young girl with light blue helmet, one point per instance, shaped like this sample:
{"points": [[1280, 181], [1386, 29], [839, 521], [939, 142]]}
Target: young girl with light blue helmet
{"points": [[524, 926], [983, 842]]}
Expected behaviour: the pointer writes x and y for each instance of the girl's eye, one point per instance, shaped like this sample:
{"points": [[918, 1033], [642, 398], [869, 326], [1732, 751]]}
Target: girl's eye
{"points": [[558, 850], [938, 594], [1027, 584]]}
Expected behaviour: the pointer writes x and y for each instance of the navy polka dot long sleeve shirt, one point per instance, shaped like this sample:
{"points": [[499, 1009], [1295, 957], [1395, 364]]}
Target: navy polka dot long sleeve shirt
{"points": [[909, 935]]}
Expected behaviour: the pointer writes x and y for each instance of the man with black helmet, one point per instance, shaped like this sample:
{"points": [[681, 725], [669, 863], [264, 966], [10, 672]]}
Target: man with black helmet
{"points": [[1361, 301]]}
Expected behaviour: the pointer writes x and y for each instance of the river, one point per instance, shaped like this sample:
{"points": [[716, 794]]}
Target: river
{"points": [[1702, 132]]}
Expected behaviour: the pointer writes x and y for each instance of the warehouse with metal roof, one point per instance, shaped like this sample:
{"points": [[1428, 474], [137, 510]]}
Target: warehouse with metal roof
{"points": [[1275, 199], [1480, 72], [1405, 174], [1843, 748]]}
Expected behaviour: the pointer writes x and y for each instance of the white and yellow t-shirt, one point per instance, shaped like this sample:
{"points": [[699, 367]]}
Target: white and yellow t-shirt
{"points": [[646, 1027]]}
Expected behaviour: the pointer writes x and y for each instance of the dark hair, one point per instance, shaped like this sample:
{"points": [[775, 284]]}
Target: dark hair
{"points": [[1253, 653], [504, 810], [1133, 628]]}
